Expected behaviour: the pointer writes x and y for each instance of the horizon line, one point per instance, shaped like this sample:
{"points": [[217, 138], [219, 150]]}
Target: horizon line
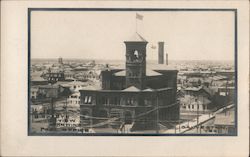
{"points": [[147, 59]]}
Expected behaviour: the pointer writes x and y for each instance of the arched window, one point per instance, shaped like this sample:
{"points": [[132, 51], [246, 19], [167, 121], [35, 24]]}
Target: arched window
{"points": [[136, 54]]}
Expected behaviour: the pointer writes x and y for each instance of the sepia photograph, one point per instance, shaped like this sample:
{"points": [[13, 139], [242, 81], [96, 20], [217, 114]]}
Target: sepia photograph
{"points": [[138, 72], [124, 78]]}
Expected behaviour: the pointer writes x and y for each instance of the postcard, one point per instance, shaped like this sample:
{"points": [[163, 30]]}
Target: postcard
{"points": [[162, 75]]}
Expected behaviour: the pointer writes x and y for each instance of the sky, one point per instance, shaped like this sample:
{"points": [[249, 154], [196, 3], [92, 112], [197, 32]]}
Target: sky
{"points": [[101, 35]]}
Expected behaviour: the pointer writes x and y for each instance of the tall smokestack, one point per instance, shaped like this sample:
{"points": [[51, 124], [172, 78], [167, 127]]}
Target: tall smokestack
{"points": [[166, 58], [160, 52]]}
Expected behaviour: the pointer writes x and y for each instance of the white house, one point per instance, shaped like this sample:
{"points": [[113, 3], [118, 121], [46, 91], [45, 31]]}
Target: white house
{"points": [[74, 99]]}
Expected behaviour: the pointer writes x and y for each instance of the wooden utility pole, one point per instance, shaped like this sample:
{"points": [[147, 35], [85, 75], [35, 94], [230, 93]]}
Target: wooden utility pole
{"points": [[157, 113], [227, 93], [66, 114], [52, 124], [197, 105]]}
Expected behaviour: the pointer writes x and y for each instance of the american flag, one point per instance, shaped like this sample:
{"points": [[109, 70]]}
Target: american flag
{"points": [[139, 17]]}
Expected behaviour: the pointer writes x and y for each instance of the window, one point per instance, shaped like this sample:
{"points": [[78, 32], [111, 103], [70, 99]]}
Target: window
{"points": [[86, 100], [192, 106], [89, 100], [204, 107], [130, 101]]}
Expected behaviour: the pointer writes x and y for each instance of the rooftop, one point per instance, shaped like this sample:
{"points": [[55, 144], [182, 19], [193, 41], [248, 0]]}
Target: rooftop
{"points": [[221, 119], [161, 67], [148, 73], [132, 89], [137, 38], [193, 88]]}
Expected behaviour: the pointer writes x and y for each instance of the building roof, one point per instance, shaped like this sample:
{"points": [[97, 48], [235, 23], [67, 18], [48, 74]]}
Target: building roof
{"points": [[71, 83], [192, 100], [36, 76], [226, 87], [132, 89], [161, 67], [219, 77], [221, 119], [49, 86], [193, 89], [211, 90], [150, 66], [194, 80], [137, 38], [225, 71], [148, 90], [148, 73], [92, 87]]}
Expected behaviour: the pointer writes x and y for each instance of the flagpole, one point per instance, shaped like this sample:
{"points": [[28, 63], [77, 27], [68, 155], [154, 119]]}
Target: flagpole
{"points": [[135, 23]]}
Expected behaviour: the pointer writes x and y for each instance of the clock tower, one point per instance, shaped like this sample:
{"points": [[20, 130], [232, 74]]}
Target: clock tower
{"points": [[136, 61]]}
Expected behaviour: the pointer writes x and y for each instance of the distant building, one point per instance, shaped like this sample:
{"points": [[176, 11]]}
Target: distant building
{"points": [[132, 95], [160, 52], [224, 96], [60, 60], [88, 75], [54, 75], [166, 58], [34, 92], [67, 122], [224, 122], [50, 91], [74, 99], [36, 79], [195, 99], [72, 85], [69, 76], [191, 103], [228, 73]]}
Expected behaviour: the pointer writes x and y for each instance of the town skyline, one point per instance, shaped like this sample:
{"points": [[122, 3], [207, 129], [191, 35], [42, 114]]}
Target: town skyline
{"points": [[155, 60]]}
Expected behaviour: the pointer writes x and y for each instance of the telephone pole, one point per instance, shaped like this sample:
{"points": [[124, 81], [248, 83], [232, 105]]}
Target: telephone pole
{"points": [[227, 93], [157, 113], [52, 123], [66, 114]]}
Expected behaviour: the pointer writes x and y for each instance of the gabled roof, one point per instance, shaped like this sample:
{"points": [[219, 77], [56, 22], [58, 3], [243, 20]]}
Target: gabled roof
{"points": [[37, 78], [132, 89], [120, 73], [221, 119], [152, 73], [137, 38], [148, 73], [161, 67], [148, 90], [192, 100], [193, 88]]}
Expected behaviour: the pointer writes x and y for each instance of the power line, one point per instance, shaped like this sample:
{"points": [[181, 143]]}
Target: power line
{"points": [[115, 118]]}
